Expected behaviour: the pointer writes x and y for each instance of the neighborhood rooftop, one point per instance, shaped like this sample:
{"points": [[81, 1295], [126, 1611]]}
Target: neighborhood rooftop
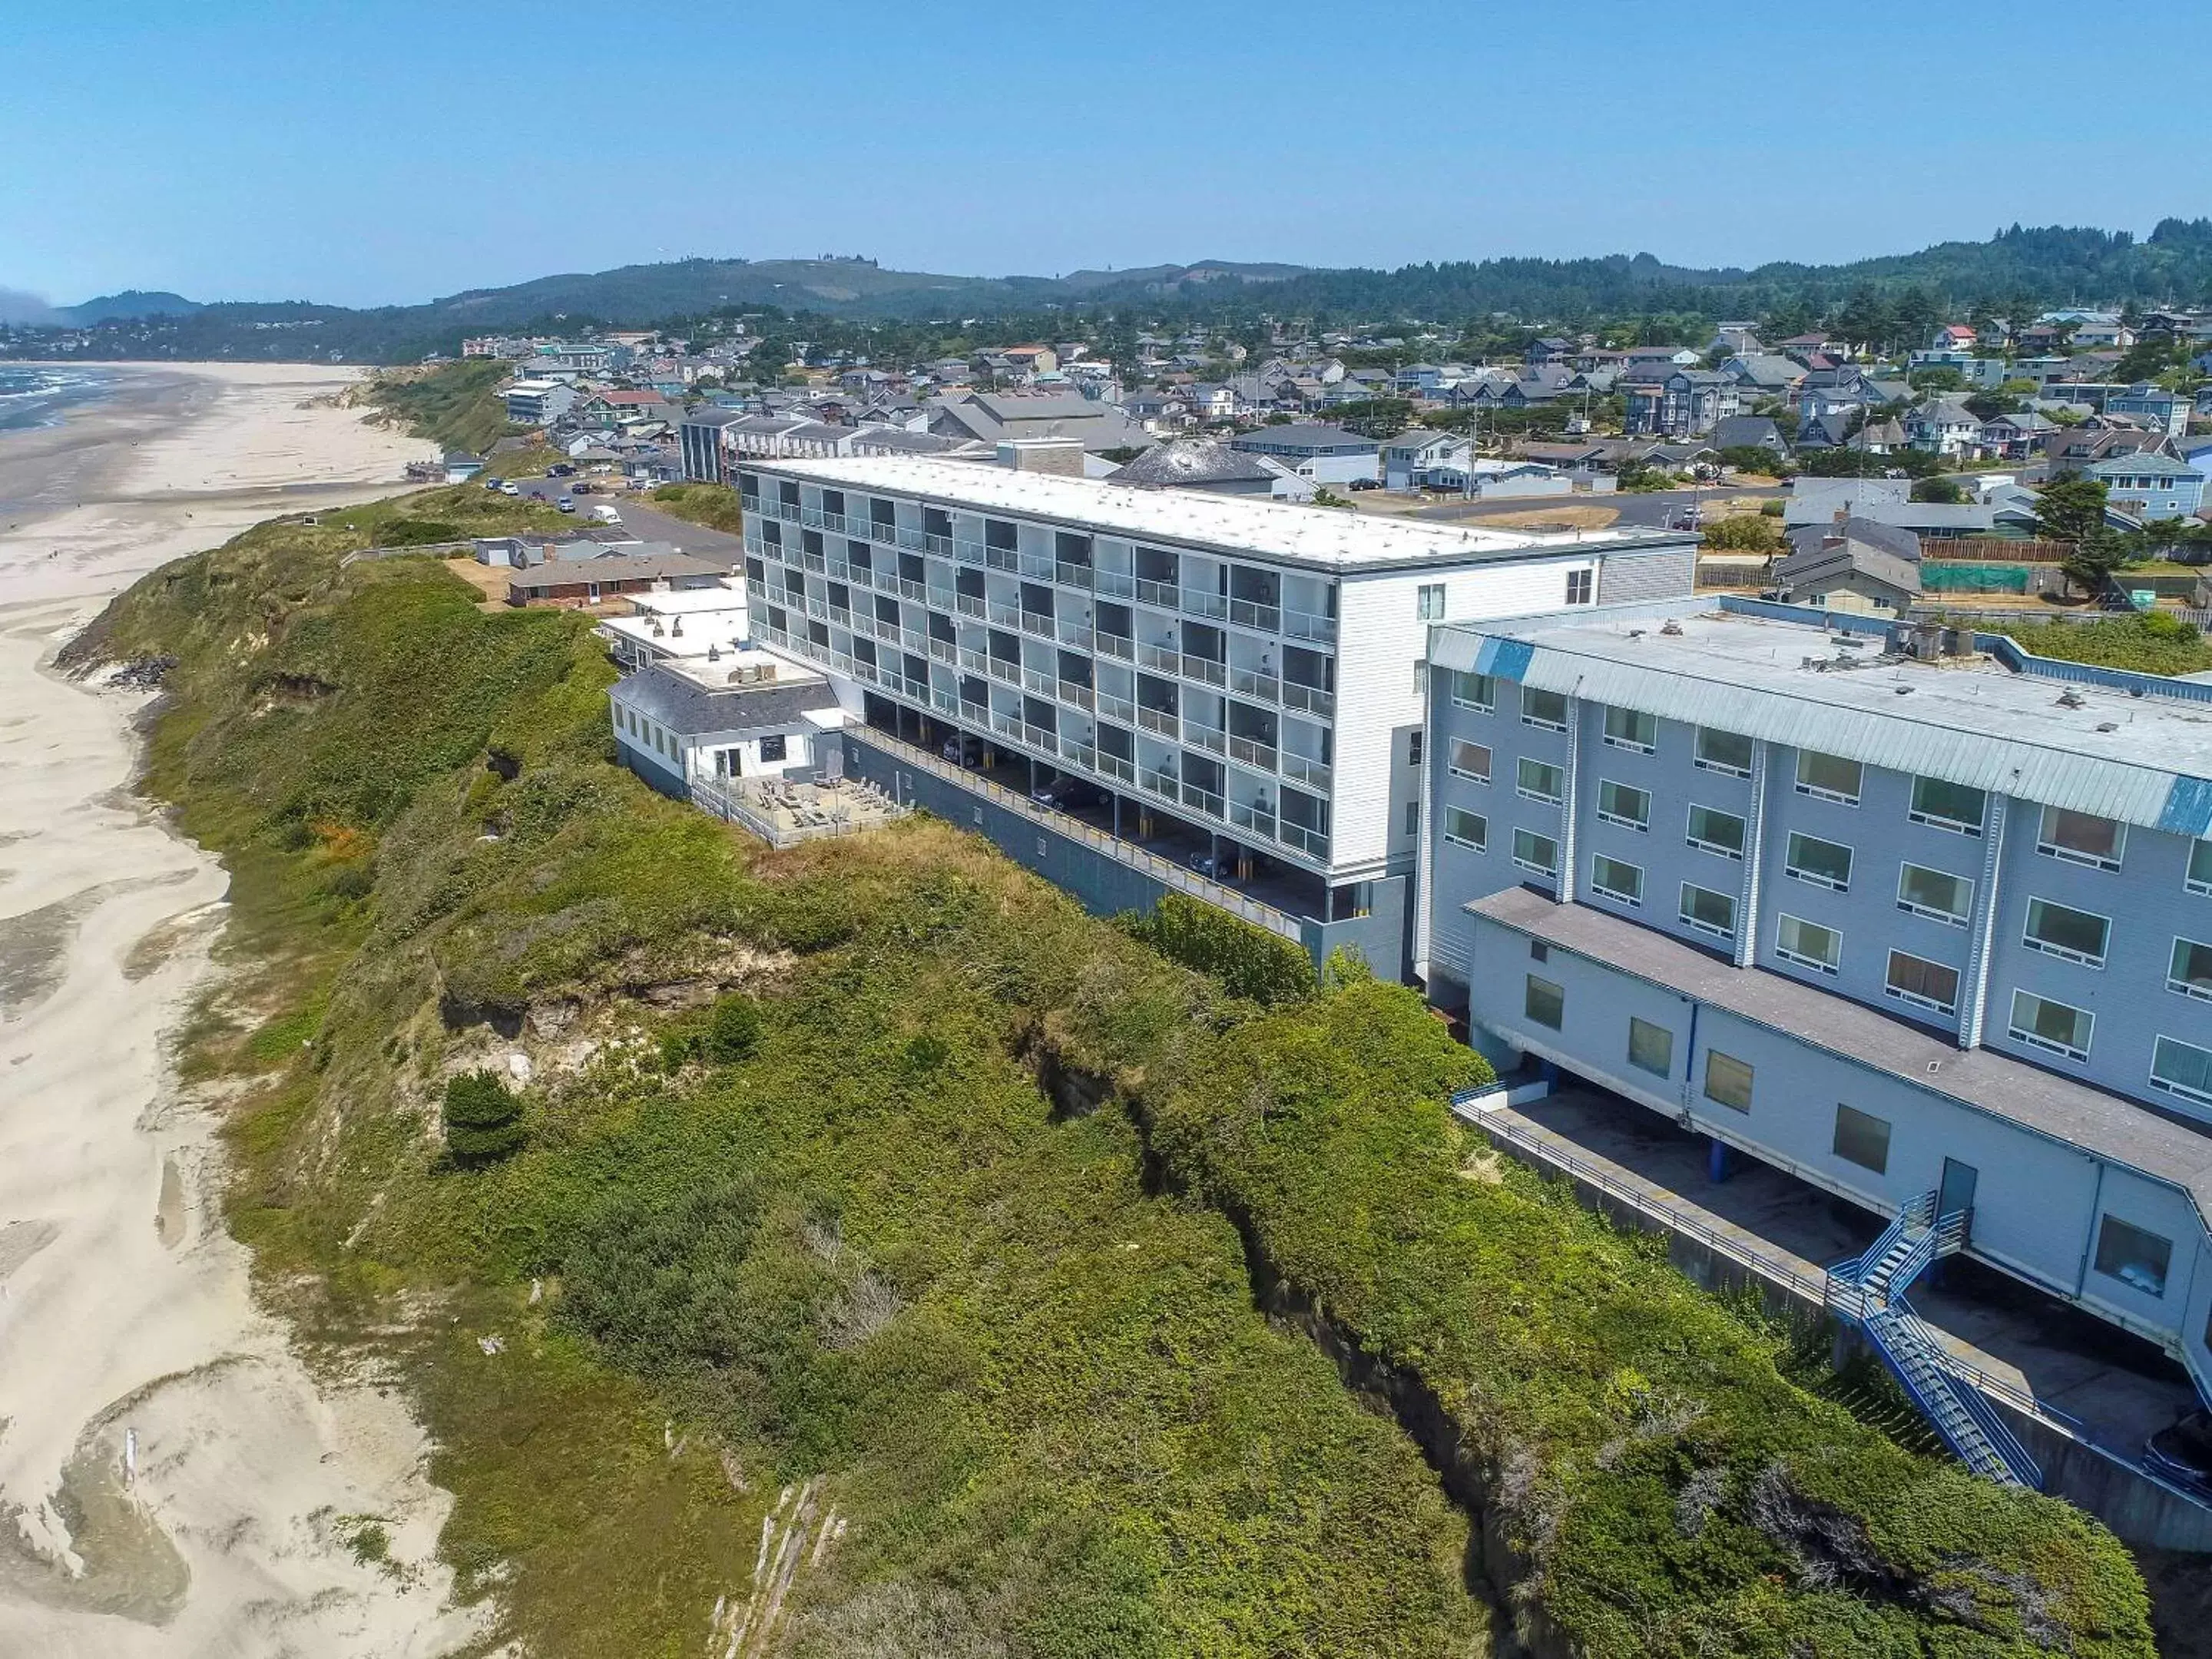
{"points": [[1316, 536]]}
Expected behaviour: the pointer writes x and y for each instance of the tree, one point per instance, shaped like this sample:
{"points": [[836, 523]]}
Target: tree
{"points": [[1944, 491], [1375, 417], [483, 1119], [2073, 510], [1745, 532], [1937, 377]]}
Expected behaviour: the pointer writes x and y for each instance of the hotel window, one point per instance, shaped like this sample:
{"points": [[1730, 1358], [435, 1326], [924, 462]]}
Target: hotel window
{"points": [[1822, 863], [1428, 602], [2182, 1068], [1615, 879], [2072, 935], [1922, 983], [1475, 691], [1544, 709], [1936, 894], [2199, 879], [2136, 1256], [2190, 972], [1949, 805], [1470, 761], [1534, 852], [1540, 780], [1712, 831], [1807, 944], [1632, 728], [1650, 1048], [1467, 829], [1617, 802], [1413, 818], [2082, 838], [1828, 777], [1580, 586], [1862, 1139], [1728, 1081], [2053, 1025], [1544, 1003], [1707, 911], [1724, 751]]}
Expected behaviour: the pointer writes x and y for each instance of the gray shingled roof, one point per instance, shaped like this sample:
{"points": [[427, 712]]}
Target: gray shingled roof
{"points": [[683, 704], [1192, 462]]}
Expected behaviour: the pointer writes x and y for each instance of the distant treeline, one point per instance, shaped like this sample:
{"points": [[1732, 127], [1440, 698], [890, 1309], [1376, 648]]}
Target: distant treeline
{"points": [[2017, 270]]}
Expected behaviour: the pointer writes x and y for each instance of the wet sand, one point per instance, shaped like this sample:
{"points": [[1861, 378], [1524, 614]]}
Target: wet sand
{"points": [[126, 1318]]}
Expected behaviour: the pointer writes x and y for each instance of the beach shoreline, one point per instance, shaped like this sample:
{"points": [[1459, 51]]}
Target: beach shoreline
{"points": [[172, 1478]]}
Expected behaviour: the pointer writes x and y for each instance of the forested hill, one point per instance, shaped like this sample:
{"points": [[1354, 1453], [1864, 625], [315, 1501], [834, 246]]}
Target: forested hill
{"points": [[2017, 270]]}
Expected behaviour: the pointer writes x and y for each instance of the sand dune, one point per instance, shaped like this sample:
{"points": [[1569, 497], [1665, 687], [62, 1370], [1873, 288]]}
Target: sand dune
{"points": [[124, 1307]]}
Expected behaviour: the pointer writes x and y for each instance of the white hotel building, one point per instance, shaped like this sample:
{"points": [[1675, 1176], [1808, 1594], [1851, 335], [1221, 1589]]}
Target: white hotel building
{"points": [[1216, 694]]}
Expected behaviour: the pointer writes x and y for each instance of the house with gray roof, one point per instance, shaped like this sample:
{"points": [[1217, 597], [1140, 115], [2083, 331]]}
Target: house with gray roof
{"points": [[746, 713]]}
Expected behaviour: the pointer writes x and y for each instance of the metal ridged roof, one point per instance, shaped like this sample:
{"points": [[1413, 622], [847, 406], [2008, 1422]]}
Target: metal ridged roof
{"points": [[1973, 724]]}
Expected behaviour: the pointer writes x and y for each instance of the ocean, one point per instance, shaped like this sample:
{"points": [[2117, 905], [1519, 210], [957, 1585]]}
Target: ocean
{"points": [[37, 396]]}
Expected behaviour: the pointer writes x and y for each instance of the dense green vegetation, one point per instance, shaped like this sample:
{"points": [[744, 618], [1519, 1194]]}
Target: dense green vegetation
{"points": [[873, 1183], [2149, 643], [716, 505], [456, 405]]}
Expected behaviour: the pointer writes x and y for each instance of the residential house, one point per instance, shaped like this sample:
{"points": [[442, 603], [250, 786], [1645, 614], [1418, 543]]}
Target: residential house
{"points": [[1749, 432], [1766, 374], [1550, 349], [1942, 428], [532, 402], [458, 466], [2015, 437], [1412, 458], [699, 439], [2149, 486], [990, 416], [1327, 455], [1856, 564], [683, 722], [1685, 403], [2154, 405], [570, 582]]}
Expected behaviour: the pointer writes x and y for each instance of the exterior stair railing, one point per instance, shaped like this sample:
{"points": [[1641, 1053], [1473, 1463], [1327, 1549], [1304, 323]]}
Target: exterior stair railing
{"points": [[1868, 1291]]}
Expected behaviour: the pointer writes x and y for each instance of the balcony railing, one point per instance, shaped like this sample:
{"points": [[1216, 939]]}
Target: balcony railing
{"points": [[945, 702], [1250, 682], [1259, 755], [1073, 633], [1311, 843], [1206, 737], [1119, 708], [941, 598], [1115, 584], [1073, 691], [1003, 558], [1037, 680], [1072, 576], [1304, 625], [1256, 818], [749, 503], [1116, 645], [1310, 699], [1197, 602], [969, 604], [1162, 594], [1037, 565], [1004, 610], [1299, 770], [965, 552], [1113, 766], [1166, 658], [1205, 669], [910, 589], [881, 530], [944, 650], [1038, 737], [1039, 622], [940, 546], [1250, 613], [1161, 720], [978, 660], [1205, 799], [1006, 726], [1001, 668]]}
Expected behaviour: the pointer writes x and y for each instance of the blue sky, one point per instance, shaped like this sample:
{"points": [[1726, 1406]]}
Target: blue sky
{"points": [[393, 151]]}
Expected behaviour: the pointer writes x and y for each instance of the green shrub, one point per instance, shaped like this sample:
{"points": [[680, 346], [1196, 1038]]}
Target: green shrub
{"points": [[732, 1031], [419, 533], [483, 1119], [1773, 509], [1745, 532], [1249, 961]]}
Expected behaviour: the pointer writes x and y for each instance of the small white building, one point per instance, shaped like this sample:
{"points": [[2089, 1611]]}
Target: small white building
{"points": [[742, 714], [679, 623]]}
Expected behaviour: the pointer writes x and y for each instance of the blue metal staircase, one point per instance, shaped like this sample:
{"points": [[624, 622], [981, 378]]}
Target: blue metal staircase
{"points": [[1868, 1291]]}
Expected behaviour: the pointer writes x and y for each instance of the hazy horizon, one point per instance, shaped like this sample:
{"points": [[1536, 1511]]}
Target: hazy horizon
{"points": [[237, 153]]}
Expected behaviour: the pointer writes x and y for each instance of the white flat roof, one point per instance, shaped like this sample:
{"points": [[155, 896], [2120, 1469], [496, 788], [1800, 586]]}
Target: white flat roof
{"points": [[1331, 539], [715, 676], [685, 601]]}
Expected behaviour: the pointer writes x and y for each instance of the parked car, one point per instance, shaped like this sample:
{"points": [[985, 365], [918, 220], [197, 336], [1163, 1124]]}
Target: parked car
{"points": [[963, 750], [565, 505], [1689, 518], [606, 515], [510, 488], [1367, 483], [2183, 1453], [494, 484], [560, 469], [1063, 795], [1207, 865]]}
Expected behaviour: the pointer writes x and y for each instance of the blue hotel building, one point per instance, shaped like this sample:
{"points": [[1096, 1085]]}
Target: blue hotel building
{"points": [[1928, 933]]}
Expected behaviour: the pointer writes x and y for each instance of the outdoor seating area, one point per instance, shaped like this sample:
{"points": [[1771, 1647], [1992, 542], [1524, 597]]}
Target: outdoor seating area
{"points": [[784, 812]]}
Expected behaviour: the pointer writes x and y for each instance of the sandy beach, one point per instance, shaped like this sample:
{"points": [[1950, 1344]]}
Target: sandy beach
{"points": [[173, 1480]]}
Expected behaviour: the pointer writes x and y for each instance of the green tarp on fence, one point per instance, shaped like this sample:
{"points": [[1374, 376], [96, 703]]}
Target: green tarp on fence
{"points": [[1937, 577]]}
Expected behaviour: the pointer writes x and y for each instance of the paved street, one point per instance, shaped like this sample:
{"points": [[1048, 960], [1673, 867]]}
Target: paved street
{"points": [[646, 522]]}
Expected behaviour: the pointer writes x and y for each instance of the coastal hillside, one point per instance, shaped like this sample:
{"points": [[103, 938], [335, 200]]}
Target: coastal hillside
{"points": [[859, 1250]]}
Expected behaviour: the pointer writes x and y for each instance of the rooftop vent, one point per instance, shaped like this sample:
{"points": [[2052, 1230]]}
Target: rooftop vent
{"points": [[2070, 699], [2108, 726]]}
